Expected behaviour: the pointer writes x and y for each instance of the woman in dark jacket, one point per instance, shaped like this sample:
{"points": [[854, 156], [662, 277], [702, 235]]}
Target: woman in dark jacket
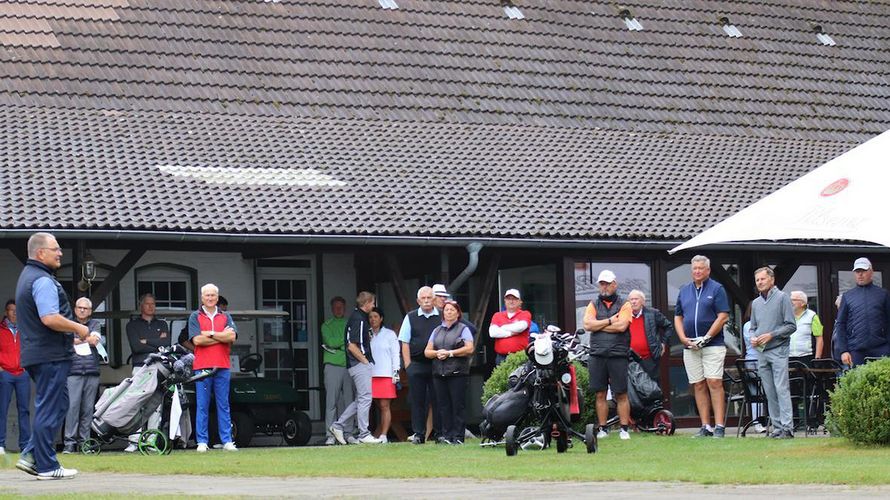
{"points": [[450, 347]]}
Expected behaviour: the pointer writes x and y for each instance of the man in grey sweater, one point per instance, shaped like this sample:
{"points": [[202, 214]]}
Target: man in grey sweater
{"points": [[772, 323]]}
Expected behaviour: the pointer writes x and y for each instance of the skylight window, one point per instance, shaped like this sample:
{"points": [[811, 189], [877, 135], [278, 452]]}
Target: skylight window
{"points": [[513, 11], [823, 36], [388, 4], [729, 28], [630, 21]]}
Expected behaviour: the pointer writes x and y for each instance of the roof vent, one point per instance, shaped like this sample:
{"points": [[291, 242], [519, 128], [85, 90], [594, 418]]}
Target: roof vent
{"points": [[512, 11], [388, 4], [822, 36], [729, 28], [629, 20]]}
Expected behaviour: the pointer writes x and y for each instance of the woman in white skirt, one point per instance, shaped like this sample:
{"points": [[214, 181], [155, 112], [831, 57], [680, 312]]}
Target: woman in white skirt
{"points": [[385, 372]]}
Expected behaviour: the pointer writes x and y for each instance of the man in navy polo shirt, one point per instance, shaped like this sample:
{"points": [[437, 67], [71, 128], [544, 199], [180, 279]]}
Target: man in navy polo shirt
{"points": [[47, 327], [701, 311]]}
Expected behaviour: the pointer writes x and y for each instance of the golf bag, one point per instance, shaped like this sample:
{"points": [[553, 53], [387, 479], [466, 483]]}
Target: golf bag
{"points": [[125, 409], [503, 410], [642, 391]]}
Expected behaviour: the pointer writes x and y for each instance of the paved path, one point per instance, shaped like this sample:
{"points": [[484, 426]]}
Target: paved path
{"points": [[17, 483]]}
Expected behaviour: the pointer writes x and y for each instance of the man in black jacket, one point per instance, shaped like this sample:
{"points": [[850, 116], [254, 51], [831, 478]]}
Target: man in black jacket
{"points": [[607, 318], [145, 334], [649, 333]]}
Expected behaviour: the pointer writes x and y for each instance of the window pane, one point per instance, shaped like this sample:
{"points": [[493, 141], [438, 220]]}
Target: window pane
{"points": [[162, 291], [301, 358], [630, 276], [143, 287], [682, 399], [268, 289], [177, 290], [299, 288], [537, 284], [283, 288]]}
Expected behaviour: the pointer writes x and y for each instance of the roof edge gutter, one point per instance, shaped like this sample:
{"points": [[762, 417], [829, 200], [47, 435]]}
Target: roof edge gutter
{"points": [[437, 241]]}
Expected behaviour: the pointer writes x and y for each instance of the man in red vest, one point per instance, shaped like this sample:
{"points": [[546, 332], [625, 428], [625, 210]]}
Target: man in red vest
{"points": [[509, 328], [213, 332]]}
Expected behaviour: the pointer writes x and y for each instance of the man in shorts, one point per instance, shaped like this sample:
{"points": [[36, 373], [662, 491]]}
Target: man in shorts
{"points": [[701, 311], [608, 320]]}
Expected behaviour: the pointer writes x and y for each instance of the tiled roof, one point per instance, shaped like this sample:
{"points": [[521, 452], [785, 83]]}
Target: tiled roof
{"points": [[221, 173], [437, 118], [568, 63]]}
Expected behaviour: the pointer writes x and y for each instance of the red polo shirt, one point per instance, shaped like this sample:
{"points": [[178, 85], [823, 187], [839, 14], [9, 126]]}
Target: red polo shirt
{"points": [[210, 356]]}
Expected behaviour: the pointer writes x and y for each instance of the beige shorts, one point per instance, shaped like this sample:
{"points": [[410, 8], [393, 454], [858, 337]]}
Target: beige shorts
{"points": [[705, 363]]}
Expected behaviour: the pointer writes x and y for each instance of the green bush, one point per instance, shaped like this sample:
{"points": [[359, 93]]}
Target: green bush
{"points": [[497, 383], [860, 404]]}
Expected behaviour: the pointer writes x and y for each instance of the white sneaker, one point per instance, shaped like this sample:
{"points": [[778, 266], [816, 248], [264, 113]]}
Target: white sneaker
{"points": [[351, 439], [202, 448], [601, 434], [338, 434], [60, 473], [330, 441], [383, 439], [624, 435], [230, 446], [131, 448], [758, 428], [369, 439], [2, 450]]}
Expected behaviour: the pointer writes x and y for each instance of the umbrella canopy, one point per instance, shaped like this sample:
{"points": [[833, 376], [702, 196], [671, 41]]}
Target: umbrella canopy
{"points": [[845, 199]]}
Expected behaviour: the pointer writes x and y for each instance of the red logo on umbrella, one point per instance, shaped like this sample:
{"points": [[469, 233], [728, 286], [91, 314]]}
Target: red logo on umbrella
{"points": [[835, 187]]}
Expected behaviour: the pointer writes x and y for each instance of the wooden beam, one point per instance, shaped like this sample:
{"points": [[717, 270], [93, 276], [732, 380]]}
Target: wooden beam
{"points": [[478, 315], [113, 279], [20, 252], [785, 271], [734, 290], [395, 276]]}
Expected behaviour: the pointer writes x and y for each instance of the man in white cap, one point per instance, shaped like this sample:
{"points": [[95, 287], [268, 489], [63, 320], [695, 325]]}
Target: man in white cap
{"points": [[509, 328], [608, 320], [862, 329]]}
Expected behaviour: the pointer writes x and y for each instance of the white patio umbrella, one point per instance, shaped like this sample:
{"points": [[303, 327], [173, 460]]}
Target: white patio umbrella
{"points": [[845, 199]]}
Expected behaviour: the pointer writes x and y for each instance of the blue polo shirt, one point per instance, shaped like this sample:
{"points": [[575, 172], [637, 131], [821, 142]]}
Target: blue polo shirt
{"points": [[699, 308]]}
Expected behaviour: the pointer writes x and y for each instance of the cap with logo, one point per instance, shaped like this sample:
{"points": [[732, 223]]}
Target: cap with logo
{"points": [[607, 276], [513, 292], [862, 264]]}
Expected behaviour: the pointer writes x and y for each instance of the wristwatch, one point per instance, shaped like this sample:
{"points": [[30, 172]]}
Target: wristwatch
{"points": [[610, 320]]}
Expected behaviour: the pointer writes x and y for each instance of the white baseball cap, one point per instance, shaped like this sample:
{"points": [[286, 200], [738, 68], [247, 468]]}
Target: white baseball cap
{"points": [[439, 290], [607, 276], [514, 292], [862, 263]]}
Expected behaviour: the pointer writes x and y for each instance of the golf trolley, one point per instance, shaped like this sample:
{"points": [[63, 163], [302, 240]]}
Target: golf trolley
{"points": [[552, 395], [124, 409]]}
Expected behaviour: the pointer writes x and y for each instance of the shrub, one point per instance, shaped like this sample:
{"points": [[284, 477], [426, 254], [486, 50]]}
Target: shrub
{"points": [[860, 404], [497, 383]]}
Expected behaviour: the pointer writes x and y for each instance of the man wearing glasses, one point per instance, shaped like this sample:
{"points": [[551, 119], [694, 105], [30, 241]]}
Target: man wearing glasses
{"points": [[46, 323], [83, 381]]}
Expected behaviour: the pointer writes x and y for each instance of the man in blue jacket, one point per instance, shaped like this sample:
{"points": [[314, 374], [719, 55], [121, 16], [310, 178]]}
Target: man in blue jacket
{"points": [[862, 329]]}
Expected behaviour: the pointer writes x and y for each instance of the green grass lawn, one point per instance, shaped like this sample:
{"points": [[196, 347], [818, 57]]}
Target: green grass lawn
{"points": [[643, 458]]}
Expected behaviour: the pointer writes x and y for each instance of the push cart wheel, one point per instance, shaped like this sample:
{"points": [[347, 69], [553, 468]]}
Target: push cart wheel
{"points": [[562, 442], [663, 422], [590, 438], [510, 441], [153, 442], [91, 447]]}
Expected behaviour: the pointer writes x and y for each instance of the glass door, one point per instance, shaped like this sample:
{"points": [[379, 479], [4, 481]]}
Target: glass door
{"points": [[286, 344]]}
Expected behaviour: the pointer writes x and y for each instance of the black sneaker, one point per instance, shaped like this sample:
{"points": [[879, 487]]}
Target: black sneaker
{"points": [[703, 432], [417, 439], [443, 440], [69, 449], [785, 435], [457, 442], [719, 432]]}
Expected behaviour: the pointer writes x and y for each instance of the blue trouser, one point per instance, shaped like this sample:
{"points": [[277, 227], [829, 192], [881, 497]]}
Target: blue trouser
{"points": [[21, 386], [218, 383], [50, 407]]}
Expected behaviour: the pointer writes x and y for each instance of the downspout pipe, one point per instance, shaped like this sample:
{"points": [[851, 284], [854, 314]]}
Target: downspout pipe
{"points": [[473, 249]]}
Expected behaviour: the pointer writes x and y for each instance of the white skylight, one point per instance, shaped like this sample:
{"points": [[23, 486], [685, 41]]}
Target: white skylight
{"points": [[513, 11], [253, 176], [825, 39], [388, 4], [730, 29], [630, 21]]}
